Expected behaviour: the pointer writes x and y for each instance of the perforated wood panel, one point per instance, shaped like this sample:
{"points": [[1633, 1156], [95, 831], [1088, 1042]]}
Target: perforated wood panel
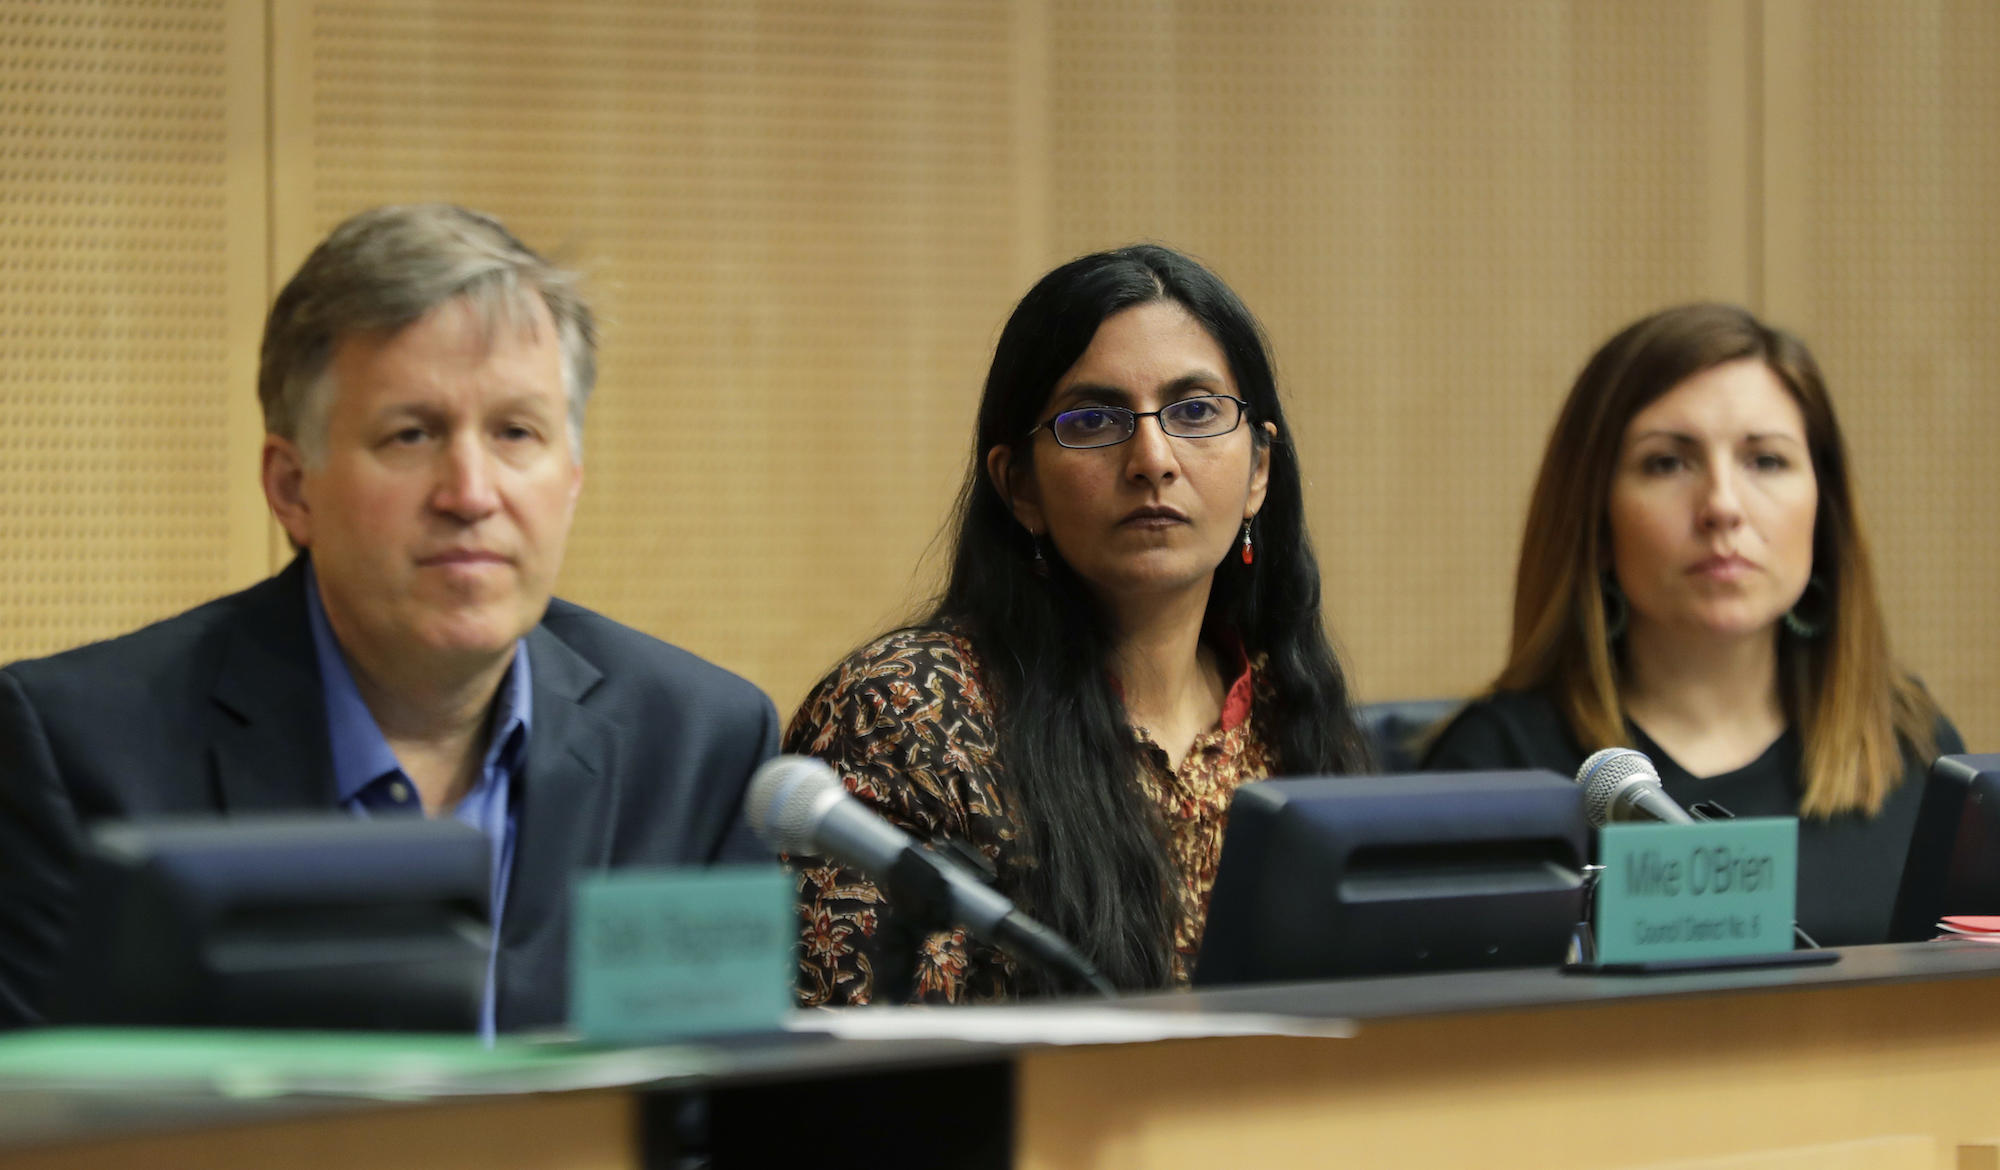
{"points": [[1886, 240], [800, 222], [806, 222], [1437, 209], [131, 257]]}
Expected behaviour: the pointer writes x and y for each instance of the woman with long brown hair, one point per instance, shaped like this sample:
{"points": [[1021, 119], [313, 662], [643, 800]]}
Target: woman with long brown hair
{"points": [[1694, 583]]}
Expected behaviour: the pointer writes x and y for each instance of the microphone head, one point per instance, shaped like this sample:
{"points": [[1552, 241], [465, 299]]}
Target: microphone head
{"points": [[1605, 774], [786, 800]]}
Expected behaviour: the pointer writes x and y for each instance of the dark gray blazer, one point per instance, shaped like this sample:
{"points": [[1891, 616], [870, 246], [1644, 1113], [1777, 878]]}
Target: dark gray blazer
{"points": [[638, 755]]}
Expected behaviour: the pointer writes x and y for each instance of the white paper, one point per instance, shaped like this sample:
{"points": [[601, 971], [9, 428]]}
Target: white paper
{"points": [[1053, 1025]]}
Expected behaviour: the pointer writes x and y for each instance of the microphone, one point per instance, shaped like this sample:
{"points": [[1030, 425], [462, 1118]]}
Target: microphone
{"points": [[1620, 784], [797, 805]]}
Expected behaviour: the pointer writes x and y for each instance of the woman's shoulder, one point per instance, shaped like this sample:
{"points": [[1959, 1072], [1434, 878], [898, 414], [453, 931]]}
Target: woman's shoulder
{"points": [[1916, 707], [1944, 733], [1949, 741], [917, 673], [1505, 729], [1527, 713], [908, 726], [913, 655]]}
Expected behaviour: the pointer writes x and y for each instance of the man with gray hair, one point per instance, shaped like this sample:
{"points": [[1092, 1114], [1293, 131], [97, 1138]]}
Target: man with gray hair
{"points": [[423, 380]]}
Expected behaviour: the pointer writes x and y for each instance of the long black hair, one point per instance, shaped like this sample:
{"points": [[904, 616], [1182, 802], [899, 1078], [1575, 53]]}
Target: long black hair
{"points": [[1102, 876]]}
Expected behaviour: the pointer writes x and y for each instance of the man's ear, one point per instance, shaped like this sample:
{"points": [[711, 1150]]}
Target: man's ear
{"points": [[284, 473], [1016, 488]]}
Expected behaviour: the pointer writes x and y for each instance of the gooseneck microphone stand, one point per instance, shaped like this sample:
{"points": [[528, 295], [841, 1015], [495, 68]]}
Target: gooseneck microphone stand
{"points": [[925, 906]]}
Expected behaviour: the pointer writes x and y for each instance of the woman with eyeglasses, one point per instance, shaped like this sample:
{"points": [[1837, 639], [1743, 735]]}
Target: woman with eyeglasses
{"points": [[1694, 583], [1131, 629]]}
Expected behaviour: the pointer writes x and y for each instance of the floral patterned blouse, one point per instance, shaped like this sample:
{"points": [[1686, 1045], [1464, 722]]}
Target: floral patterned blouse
{"points": [[908, 725]]}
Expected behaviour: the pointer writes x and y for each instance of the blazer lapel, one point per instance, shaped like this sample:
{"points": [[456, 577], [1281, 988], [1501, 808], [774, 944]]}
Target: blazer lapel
{"points": [[564, 825], [270, 750]]}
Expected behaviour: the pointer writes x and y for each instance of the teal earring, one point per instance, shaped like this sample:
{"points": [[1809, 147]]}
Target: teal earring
{"points": [[1806, 628]]}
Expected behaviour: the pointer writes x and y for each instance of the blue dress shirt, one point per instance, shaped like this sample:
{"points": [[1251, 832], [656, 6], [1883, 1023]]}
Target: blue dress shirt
{"points": [[370, 780]]}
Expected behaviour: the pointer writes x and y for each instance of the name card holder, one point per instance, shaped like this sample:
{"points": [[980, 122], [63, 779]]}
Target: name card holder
{"points": [[672, 953], [1697, 897]]}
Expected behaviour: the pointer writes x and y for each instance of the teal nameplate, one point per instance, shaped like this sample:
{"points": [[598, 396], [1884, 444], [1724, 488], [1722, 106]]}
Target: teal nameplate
{"points": [[1699, 891], [661, 954]]}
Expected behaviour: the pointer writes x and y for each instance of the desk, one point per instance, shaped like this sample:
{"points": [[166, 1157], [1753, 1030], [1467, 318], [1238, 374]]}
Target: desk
{"points": [[1888, 1060], [207, 1099], [583, 1131]]}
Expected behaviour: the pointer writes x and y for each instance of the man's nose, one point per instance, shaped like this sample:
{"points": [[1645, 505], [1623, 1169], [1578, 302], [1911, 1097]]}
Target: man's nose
{"points": [[465, 482]]}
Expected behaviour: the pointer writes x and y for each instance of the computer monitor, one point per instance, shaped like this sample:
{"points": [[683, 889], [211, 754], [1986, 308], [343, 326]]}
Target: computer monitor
{"points": [[1953, 866], [1372, 875], [309, 921]]}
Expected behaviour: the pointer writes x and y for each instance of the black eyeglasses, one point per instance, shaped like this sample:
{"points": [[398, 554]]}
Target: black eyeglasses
{"points": [[1207, 417]]}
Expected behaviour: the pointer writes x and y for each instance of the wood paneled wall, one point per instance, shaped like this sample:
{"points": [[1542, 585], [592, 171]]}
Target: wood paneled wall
{"points": [[132, 267], [805, 223]]}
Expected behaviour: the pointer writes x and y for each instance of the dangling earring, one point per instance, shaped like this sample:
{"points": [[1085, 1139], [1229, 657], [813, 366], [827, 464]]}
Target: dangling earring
{"points": [[1248, 555], [1616, 610], [1041, 564], [1803, 627]]}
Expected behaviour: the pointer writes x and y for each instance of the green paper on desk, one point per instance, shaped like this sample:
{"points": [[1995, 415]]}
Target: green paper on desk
{"points": [[664, 954], [385, 1065], [1701, 891]]}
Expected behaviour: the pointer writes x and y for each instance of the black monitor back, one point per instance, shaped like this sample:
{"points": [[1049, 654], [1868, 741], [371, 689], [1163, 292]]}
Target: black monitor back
{"points": [[1370, 875], [1953, 866], [311, 921]]}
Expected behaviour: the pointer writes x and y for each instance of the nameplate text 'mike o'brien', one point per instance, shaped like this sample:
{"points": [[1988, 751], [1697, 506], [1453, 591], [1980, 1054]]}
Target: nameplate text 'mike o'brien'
{"points": [[1703, 891]]}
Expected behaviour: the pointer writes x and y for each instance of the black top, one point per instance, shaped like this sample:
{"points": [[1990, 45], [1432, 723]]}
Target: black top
{"points": [[1849, 865]]}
